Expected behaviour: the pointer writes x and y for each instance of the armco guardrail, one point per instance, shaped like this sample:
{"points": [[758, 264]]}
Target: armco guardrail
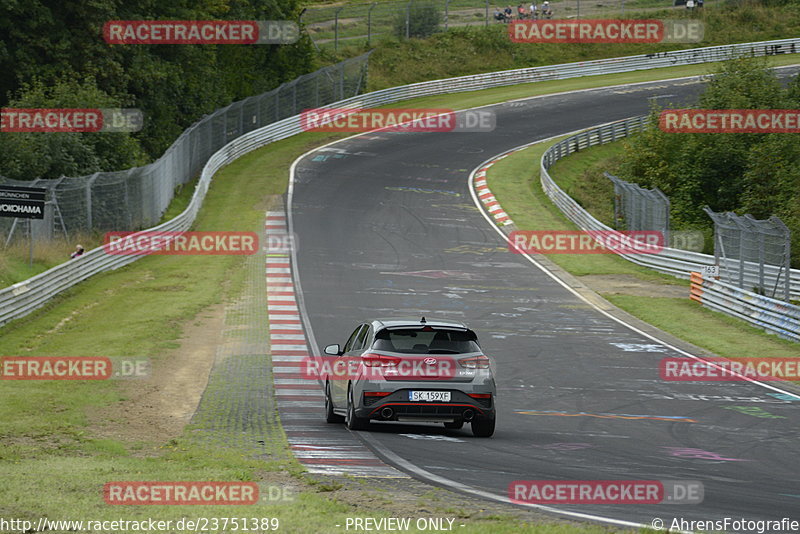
{"points": [[137, 198], [22, 298], [672, 261], [773, 316]]}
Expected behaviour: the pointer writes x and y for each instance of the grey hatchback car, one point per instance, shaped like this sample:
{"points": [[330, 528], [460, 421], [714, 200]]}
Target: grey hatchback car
{"points": [[413, 370]]}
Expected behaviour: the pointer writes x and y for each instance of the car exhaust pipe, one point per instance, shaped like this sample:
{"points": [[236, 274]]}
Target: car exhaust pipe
{"points": [[468, 415], [387, 413]]}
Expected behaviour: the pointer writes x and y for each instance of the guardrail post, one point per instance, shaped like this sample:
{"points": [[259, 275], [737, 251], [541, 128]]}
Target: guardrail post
{"points": [[761, 284], [369, 22], [741, 256], [788, 272], [336, 29], [341, 81], [89, 185], [408, 20]]}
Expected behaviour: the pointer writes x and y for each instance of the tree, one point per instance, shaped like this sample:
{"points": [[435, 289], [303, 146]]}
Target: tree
{"points": [[742, 172], [173, 85], [26, 156]]}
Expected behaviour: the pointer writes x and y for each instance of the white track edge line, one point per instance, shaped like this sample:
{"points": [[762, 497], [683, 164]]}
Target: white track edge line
{"points": [[310, 332], [541, 267], [458, 486]]}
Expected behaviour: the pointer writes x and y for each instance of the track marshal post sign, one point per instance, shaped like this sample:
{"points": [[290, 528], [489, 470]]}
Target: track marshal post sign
{"points": [[22, 202]]}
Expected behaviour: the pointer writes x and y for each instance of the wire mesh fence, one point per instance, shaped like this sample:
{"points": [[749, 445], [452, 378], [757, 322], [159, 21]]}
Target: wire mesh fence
{"points": [[640, 209], [745, 246], [359, 24], [137, 198]]}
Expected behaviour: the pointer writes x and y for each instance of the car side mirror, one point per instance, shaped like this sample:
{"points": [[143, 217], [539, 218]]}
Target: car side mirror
{"points": [[333, 350]]}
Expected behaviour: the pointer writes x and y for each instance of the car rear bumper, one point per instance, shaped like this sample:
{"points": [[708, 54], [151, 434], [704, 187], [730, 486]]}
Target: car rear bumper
{"points": [[398, 407]]}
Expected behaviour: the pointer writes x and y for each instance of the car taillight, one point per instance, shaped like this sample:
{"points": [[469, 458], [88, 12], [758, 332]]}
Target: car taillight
{"points": [[379, 360], [377, 393], [480, 395], [475, 362]]}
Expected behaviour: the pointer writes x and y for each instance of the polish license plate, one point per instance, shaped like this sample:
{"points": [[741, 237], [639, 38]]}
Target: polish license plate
{"points": [[429, 396]]}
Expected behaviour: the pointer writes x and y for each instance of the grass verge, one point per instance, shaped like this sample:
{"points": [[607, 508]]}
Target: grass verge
{"points": [[53, 466], [51, 462], [14, 261], [515, 183]]}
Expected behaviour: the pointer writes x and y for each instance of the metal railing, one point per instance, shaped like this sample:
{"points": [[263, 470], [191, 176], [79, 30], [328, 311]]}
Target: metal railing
{"points": [[744, 243], [676, 262], [772, 315], [22, 298], [637, 208], [360, 23], [137, 198]]}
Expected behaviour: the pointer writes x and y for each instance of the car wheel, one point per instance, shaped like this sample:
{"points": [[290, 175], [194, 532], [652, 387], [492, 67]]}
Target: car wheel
{"points": [[330, 416], [455, 425], [482, 428], [354, 422]]}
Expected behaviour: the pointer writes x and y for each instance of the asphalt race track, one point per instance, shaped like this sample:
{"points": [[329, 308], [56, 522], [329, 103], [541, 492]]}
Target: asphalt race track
{"points": [[386, 226]]}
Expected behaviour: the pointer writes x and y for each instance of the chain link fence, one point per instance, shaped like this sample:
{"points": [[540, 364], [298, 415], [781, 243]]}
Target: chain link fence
{"points": [[137, 198], [744, 247], [639, 209], [359, 24]]}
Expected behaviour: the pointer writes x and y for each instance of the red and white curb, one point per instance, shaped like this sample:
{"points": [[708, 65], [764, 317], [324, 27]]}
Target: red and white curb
{"points": [[319, 446], [486, 196]]}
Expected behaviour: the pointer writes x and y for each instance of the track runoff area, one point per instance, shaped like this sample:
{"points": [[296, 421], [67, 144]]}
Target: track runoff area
{"points": [[386, 226]]}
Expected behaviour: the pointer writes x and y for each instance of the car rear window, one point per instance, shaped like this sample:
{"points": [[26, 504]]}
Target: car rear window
{"points": [[426, 341]]}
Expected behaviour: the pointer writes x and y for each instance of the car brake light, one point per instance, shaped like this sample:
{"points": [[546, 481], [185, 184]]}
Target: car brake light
{"points": [[475, 362], [379, 360]]}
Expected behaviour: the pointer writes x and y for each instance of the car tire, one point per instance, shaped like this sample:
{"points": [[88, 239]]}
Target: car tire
{"points": [[455, 425], [354, 422], [330, 415], [482, 428]]}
